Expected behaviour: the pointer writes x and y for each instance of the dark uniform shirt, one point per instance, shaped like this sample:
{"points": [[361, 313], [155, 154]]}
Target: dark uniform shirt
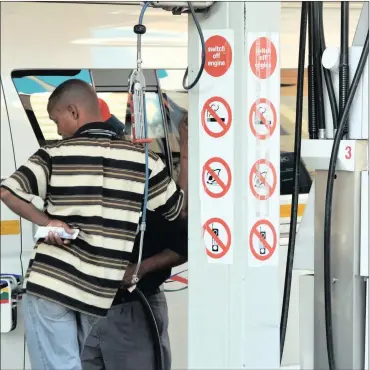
{"points": [[160, 234]]}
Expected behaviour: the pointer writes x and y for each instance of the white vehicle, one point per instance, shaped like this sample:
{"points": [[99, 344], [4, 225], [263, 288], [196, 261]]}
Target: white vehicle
{"points": [[42, 45]]}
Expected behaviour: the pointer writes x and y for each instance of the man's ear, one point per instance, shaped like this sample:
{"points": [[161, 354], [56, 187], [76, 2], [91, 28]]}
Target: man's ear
{"points": [[73, 110]]}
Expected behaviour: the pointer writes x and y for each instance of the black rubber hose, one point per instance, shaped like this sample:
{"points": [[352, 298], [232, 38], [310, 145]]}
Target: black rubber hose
{"points": [[327, 76], [312, 119], [202, 42], [344, 63], [329, 202], [297, 165], [158, 352], [319, 94]]}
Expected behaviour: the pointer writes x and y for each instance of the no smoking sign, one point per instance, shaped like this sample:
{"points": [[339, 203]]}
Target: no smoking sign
{"points": [[216, 117], [262, 119]]}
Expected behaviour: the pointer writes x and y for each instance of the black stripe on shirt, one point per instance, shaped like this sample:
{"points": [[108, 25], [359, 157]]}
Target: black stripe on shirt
{"points": [[101, 252], [31, 179], [173, 205], [45, 158], [96, 190], [157, 182], [59, 264], [96, 220], [99, 161]]}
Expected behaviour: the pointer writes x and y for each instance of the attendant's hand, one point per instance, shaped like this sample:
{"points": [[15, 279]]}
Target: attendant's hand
{"points": [[130, 270], [54, 238]]}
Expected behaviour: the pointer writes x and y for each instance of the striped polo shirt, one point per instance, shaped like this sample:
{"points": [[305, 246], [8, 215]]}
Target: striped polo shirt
{"points": [[93, 181]]}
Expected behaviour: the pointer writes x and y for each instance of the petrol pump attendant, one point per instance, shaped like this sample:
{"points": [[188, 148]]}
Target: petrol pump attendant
{"points": [[91, 180], [123, 339]]}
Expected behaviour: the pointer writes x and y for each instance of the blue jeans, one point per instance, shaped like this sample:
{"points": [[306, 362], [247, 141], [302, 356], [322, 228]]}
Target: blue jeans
{"points": [[55, 334]]}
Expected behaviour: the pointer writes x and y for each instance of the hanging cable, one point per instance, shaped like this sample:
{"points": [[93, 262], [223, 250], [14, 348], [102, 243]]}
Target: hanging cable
{"points": [[202, 42], [137, 102], [297, 165], [327, 74], [344, 66], [329, 201]]}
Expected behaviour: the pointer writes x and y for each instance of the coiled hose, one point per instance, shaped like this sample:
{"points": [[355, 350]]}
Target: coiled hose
{"points": [[327, 74], [329, 201], [344, 66], [158, 352], [312, 119], [319, 94], [297, 163]]}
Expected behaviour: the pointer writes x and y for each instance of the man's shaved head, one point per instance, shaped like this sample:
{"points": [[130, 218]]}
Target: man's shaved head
{"points": [[73, 104]]}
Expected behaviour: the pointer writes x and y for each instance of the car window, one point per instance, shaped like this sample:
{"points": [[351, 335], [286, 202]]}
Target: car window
{"points": [[34, 91]]}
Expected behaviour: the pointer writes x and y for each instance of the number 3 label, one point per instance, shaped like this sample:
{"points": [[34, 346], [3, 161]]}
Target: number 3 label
{"points": [[348, 151]]}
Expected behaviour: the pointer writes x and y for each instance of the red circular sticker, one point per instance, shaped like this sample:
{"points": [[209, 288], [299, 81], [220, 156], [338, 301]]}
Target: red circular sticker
{"points": [[218, 237], [263, 58], [218, 56]]}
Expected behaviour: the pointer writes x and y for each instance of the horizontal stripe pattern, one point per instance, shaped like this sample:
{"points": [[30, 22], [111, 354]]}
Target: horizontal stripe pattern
{"points": [[94, 182]]}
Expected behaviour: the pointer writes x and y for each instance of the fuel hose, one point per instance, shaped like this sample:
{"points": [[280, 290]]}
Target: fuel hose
{"points": [[297, 165], [329, 202]]}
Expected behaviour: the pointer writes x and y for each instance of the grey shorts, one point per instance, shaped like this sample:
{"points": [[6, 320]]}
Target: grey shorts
{"points": [[123, 341]]}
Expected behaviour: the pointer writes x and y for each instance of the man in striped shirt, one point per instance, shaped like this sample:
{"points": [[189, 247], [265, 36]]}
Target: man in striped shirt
{"points": [[92, 180]]}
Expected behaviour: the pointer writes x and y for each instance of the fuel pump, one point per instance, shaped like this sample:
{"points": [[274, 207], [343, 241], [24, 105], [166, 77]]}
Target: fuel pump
{"points": [[336, 275]]}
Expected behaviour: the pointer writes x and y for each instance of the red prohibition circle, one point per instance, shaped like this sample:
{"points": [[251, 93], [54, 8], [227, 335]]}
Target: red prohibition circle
{"points": [[254, 171], [225, 125], [224, 246], [225, 187], [255, 232], [270, 129], [262, 52], [218, 56]]}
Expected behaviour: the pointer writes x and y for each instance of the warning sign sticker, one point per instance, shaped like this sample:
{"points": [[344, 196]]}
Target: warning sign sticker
{"points": [[216, 177], [262, 179], [263, 58], [219, 56], [216, 117], [217, 237], [263, 240], [262, 118]]}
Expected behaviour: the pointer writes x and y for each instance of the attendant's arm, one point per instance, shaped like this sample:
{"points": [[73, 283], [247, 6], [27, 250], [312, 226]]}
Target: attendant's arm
{"points": [[29, 181], [166, 259], [23, 209]]}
